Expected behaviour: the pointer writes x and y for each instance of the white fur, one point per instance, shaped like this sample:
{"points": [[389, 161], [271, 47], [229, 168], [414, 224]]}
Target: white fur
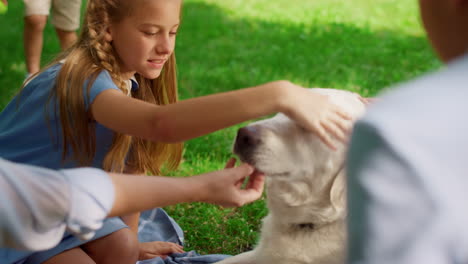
{"points": [[305, 184]]}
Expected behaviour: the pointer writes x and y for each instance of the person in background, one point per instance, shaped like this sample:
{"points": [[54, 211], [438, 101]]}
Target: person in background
{"points": [[66, 21], [408, 159]]}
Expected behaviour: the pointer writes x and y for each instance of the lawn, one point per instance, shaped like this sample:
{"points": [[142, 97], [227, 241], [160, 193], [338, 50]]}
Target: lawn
{"points": [[359, 45]]}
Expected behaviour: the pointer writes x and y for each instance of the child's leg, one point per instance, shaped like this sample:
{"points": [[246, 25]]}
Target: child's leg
{"points": [[72, 256], [66, 38], [33, 39], [119, 247], [35, 19], [66, 20]]}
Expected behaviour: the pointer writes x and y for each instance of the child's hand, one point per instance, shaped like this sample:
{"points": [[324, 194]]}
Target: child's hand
{"points": [[149, 250], [316, 113], [367, 100], [224, 187]]}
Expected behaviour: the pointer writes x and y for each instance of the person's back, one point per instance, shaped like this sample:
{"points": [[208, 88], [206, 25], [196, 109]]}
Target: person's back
{"points": [[407, 163], [419, 147]]}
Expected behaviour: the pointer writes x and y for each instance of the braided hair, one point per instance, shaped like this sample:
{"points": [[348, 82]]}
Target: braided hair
{"points": [[82, 62]]}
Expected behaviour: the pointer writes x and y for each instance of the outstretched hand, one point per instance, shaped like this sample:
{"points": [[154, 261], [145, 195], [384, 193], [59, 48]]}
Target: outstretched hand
{"points": [[316, 113], [225, 187]]}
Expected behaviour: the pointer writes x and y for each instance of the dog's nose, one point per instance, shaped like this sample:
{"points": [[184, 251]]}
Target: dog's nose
{"points": [[247, 138]]}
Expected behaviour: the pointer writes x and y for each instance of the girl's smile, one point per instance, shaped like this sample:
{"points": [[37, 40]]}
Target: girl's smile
{"points": [[157, 63]]}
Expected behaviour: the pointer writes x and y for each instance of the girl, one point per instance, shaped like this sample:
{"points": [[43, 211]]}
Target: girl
{"points": [[111, 102]]}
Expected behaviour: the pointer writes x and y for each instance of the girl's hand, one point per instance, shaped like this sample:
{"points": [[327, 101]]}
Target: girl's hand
{"points": [[367, 100], [149, 250], [5, 2], [316, 113], [224, 187]]}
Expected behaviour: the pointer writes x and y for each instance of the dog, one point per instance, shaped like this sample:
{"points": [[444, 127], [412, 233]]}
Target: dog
{"points": [[305, 189]]}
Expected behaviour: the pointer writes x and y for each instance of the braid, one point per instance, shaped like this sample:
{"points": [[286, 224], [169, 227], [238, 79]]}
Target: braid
{"points": [[101, 50], [104, 57], [91, 54]]}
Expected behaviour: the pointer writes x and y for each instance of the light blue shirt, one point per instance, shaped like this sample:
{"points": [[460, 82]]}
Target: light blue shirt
{"points": [[408, 174]]}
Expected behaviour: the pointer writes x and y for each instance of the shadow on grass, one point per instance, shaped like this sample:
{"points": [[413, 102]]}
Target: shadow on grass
{"points": [[223, 53]]}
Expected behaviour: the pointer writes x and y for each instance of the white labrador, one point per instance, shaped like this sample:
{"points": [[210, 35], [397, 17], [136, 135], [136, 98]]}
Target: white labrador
{"points": [[305, 189]]}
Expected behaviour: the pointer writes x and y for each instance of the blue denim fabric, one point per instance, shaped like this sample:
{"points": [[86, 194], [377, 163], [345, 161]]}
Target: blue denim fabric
{"points": [[157, 225], [190, 257]]}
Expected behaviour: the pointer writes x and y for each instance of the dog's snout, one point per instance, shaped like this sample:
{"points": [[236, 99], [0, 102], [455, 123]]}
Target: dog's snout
{"points": [[247, 139]]}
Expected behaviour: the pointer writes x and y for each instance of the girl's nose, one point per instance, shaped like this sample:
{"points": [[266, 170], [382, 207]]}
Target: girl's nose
{"points": [[164, 45]]}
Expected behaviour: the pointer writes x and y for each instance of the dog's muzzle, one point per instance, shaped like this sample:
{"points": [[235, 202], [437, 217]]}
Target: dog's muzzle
{"points": [[247, 140]]}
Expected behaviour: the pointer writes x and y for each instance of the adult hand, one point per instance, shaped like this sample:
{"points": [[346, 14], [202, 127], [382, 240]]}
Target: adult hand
{"points": [[224, 187], [316, 113], [149, 250]]}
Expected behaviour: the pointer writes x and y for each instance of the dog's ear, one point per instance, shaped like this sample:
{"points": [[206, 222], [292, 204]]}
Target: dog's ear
{"points": [[338, 192]]}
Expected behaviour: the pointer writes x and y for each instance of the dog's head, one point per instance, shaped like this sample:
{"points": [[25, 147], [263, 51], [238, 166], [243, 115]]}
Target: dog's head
{"points": [[305, 179]]}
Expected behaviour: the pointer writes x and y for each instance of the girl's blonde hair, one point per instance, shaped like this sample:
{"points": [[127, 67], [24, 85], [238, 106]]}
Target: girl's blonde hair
{"points": [[90, 55]]}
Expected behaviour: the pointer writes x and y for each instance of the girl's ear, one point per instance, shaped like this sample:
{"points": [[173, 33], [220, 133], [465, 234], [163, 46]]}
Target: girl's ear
{"points": [[108, 35]]}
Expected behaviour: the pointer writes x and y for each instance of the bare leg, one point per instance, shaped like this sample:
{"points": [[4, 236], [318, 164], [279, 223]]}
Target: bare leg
{"points": [[66, 38], [33, 40], [72, 256], [118, 247]]}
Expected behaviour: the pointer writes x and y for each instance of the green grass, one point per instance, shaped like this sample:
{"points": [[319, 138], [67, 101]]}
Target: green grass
{"points": [[360, 45]]}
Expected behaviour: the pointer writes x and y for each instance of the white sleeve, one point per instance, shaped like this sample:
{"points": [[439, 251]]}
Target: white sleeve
{"points": [[390, 211], [38, 205]]}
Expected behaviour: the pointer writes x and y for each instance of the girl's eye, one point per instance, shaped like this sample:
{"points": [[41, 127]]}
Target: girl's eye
{"points": [[150, 33], [173, 33]]}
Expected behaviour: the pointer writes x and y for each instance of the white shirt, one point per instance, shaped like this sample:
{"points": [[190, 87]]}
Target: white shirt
{"points": [[38, 205], [408, 174]]}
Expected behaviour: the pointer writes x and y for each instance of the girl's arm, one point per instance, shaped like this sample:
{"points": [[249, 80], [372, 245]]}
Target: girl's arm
{"points": [[199, 116]]}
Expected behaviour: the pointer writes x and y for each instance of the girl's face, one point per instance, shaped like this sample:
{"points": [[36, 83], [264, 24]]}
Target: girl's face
{"points": [[145, 39]]}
